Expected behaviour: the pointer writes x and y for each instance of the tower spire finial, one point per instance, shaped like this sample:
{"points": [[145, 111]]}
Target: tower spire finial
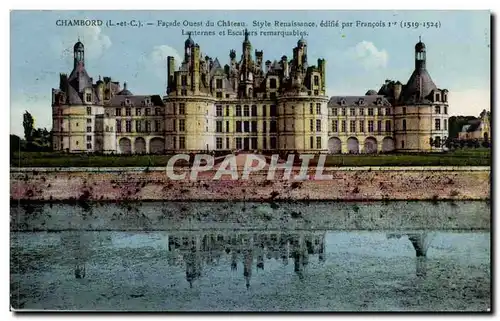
{"points": [[246, 34], [420, 38]]}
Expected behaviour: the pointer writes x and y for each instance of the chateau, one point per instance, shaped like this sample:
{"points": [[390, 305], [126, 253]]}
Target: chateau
{"points": [[247, 104]]}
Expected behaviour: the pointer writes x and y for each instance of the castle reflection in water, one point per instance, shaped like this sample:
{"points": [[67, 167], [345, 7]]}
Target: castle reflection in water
{"points": [[246, 248]]}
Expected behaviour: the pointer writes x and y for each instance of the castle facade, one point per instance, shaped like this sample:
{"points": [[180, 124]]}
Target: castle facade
{"points": [[249, 105]]}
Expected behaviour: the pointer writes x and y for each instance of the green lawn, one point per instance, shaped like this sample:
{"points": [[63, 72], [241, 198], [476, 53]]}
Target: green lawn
{"points": [[464, 157]]}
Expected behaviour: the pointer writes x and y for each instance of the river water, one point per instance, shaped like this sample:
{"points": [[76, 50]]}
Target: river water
{"points": [[398, 256]]}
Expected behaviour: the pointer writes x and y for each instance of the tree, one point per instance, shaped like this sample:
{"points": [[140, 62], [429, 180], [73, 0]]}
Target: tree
{"points": [[28, 123]]}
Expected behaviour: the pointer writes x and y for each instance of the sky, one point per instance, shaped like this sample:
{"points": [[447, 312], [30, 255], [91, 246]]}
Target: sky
{"points": [[358, 58]]}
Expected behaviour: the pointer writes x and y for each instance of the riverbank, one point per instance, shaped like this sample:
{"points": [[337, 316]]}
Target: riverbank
{"points": [[345, 183]]}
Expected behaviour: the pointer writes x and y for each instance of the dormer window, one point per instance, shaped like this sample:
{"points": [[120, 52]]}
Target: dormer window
{"points": [[88, 97], [361, 102], [342, 102], [379, 101], [127, 101], [438, 97], [445, 97]]}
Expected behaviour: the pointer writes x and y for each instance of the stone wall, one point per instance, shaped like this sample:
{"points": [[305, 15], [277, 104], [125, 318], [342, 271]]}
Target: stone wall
{"points": [[346, 184]]}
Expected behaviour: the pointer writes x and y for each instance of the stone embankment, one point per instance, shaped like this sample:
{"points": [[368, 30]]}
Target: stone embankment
{"points": [[346, 183]]}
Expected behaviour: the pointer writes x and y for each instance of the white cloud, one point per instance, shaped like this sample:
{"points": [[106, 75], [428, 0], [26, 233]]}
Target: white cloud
{"points": [[367, 54], [94, 40], [157, 60]]}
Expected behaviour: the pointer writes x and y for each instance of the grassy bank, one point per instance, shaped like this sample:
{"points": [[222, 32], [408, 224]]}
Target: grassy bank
{"points": [[464, 157]]}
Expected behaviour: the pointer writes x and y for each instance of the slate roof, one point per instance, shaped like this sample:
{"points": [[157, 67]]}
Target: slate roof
{"points": [[135, 100], [418, 87], [368, 101]]}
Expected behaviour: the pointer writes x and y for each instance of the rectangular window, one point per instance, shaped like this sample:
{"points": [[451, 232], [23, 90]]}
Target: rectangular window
{"points": [[238, 143], [272, 126], [402, 144], [157, 111], [218, 94], [370, 111], [227, 111], [148, 111], [254, 142], [218, 83], [404, 124], [138, 128], [272, 95], [264, 142], [362, 126], [218, 126], [128, 112], [184, 92], [273, 142], [227, 126], [352, 112], [311, 125], [272, 110], [89, 120], [380, 111], [446, 110], [218, 143], [379, 126], [264, 126], [128, 126], [318, 125], [246, 111], [445, 124], [184, 80], [182, 125], [316, 80], [174, 141], [404, 110], [311, 142], [254, 110], [182, 142], [246, 125], [335, 111], [218, 111], [173, 125], [227, 143], [138, 112], [264, 111], [238, 110], [318, 109], [361, 111], [89, 138], [118, 111], [148, 126], [158, 126], [344, 127], [316, 93], [88, 97], [118, 126], [254, 126], [182, 109], [343, 111], [335, 126], [238, 126], [89, 110], [437, 109], [388, 126], [89, 146], [318, 142], [387, 111], [352, 126], [370, 126], [437, 124]]}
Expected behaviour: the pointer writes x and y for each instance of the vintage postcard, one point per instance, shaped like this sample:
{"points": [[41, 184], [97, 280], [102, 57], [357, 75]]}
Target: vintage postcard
{"points": [[250, 161]]}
